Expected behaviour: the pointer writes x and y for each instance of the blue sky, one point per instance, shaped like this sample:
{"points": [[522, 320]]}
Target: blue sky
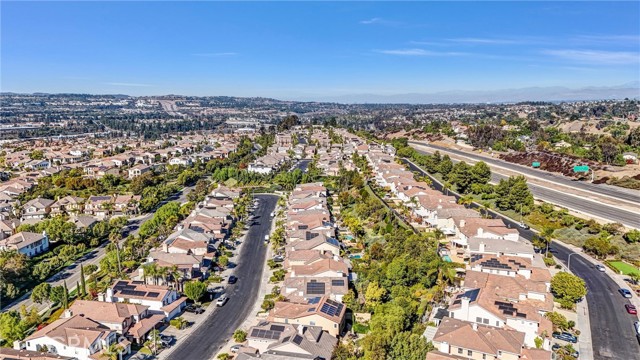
{"points": [[294, 50]]}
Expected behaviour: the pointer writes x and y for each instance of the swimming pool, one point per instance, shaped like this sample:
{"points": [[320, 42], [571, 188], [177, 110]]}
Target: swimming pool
{"points": [[447, 258], [356, 256]]}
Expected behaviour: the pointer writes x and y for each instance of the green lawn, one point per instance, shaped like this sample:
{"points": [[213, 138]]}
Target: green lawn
{"points": [[626, 269]]}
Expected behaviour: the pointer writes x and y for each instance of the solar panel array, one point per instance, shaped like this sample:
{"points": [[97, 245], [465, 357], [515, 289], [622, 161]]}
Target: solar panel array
{"points": [[337, 282], [475, 257], [509, 309], [314, 300], [297, 340], [153, 294], [331, 308], [315, 288], [333, 241], [266, 334], [311, 235], [277, 328], [516, 263], [133, 292], [496, 264], [471, 294]]}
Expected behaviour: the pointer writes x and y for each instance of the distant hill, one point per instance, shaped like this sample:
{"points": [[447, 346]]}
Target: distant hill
{"points": [[552, 94]]}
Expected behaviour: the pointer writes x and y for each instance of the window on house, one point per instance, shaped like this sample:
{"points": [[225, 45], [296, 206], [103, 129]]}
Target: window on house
{"points": [[497, 323], [485, 321], [460, 350], [469, 353], [479, 320], [484, 356]]}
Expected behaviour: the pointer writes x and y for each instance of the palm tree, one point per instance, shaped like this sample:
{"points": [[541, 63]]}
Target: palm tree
{"points": [[162, 273], [150, 270], [547, 233], [115, 237], [484, 209], [176, 275], [113, 352], [465, 200]]}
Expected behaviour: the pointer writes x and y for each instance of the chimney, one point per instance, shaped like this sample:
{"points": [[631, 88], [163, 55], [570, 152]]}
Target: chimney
{"points": [[462, 223], [301, 329], [481, 248], [444, 347], [68, 313], [464, 306], [474, 326]]}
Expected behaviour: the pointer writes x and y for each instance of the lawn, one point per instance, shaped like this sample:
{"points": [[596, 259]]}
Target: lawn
{"points": [[626, 269]]}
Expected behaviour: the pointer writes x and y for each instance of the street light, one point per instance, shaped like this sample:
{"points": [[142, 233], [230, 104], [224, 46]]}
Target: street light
{"points": [[569, 261]]}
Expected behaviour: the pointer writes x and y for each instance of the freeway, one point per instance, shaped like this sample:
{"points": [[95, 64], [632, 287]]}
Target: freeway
{"points": [[617, 193], [573, 202], [220, 324], [611, 327], [71, 274]]}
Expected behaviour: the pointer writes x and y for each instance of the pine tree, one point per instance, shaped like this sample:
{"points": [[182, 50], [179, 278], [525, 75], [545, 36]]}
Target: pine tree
{"points": [[78, 290], [65, 296], [83, 282]]}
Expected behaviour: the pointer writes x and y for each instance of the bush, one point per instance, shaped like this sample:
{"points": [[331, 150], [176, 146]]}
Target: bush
{"points": [[549, 261], [268, 305]]}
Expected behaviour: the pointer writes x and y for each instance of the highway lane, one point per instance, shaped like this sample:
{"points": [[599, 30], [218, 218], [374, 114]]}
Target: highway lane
{"points": [[611, 327], [578, 204], [602, 189], [220, 324], [71, 274]]}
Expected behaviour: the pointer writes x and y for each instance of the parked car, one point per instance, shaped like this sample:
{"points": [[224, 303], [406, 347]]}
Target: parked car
{"points": [[235, 348], [194, 309], [625, 292], [266, 238], [278, 258], [631, 309], [165, 340], [232, 279], [636, 325], [222, 300], [273, 214], [600, 268], [523, 226], [565, 336]]}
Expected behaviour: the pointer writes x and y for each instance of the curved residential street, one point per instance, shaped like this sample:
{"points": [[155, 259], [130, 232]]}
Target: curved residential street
{"points": [[220, 324], [612, 333]]}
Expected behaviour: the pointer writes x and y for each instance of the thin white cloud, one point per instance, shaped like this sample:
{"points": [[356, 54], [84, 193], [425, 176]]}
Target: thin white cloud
{"points": [[485, 41], [218, 54], [419, 52], [595, 56], [608, 39], [374, 20], [128, 84]]}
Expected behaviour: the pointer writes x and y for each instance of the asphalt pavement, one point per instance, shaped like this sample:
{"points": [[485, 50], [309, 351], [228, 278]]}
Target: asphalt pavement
{"points": [[602, 189], [612, 331], [220, 324], [578, 204]]}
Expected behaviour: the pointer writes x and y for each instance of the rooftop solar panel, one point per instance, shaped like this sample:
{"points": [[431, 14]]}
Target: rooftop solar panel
{"points": [[337, 282], [297, 340], [277, 328]]}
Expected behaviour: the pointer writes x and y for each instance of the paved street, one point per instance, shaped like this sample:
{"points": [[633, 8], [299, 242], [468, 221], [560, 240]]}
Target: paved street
{"points": [[578, 204], [71, 274], [222, 322], [603, 189], [611, 327]]}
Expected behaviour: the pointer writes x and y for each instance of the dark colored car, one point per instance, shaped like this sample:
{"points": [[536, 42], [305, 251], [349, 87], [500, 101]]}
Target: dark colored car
{"points": [[194, 309], [631, 309], [232, 279], [565, 336]]}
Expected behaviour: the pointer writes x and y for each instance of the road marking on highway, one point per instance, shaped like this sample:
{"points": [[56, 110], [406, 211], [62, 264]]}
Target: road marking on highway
{"points": [[527, 174]]}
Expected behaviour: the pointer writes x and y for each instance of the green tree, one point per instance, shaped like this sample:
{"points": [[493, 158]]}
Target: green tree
{"points": [[65, 296], [240, 336], [632, 236], [558, 320], [374, 295], [568, 288], [194, 290], [41, 293], [83, 283], [11, 327], [600, 246], [56, 294], [461, 177], [445, 166], [481, 173]]}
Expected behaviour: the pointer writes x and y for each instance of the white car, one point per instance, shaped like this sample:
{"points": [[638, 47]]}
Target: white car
{"points": [[273, 214], [222, 300], [266, 238], [637, 326], [600, 268]]}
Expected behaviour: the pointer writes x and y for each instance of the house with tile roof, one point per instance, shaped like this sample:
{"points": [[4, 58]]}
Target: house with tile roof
{"points": [[280, 341], [457, 340], [28, 243], [76, 336], [159, 299], [323, 312]]}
